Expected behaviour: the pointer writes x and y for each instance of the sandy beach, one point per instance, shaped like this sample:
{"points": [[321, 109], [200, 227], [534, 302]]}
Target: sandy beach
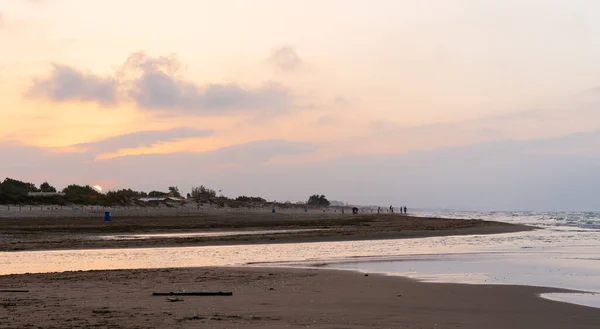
{"points": [[262, 297], [85, 233], [274, 298]]}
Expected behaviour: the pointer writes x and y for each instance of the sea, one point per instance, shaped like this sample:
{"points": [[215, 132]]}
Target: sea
{"points": [[564, 253]]}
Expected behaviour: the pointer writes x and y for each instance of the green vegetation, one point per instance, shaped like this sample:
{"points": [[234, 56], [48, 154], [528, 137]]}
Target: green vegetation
{"points": [[244, 198], [45, 187], [15, 192], [174, 191], [318, 201], [201, 192]]}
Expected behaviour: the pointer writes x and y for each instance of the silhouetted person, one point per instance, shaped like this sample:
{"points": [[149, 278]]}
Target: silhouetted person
{"points": [[378, 210], [391, 209], [405, 210]]}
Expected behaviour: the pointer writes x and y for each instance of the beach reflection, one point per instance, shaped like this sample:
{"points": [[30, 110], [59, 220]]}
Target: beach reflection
{"points": [[201, 234], [547, 269], [549, 257]]}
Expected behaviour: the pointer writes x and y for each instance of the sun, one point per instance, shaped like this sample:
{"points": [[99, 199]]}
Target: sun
{"points": [[97, 188]]}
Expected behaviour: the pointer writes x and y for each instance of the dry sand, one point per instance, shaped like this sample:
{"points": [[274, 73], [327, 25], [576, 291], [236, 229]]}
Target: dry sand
{"points": [[82, 233], [275, 298]]}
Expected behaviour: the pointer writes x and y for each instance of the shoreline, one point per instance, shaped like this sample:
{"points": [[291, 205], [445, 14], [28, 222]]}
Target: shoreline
{"points": [[279, 297], [67, 234], [279, 238]]}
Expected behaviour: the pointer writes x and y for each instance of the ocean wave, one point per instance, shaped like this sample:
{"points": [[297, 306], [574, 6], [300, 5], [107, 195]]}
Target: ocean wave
{"points": [[582, 220]]}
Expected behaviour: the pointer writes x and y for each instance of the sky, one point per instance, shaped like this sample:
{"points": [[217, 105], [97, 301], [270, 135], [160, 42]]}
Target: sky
{"points": [[458, 104]]}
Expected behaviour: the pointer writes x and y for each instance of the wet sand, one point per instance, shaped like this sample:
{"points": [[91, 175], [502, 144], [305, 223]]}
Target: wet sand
{"points": [[275, 298], [84, 233]]}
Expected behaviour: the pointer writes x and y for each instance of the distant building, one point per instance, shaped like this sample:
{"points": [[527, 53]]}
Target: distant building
{"points": [[44, 193], [161, 199]]}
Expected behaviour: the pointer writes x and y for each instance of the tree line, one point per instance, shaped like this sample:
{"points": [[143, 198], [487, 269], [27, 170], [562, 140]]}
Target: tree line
{"points": [[13, 191]]}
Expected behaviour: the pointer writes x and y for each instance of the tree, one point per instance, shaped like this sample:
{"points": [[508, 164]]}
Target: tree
{"points": [[318, 200], [174, 190], [45, 187], [78, 190], [16, 187], [202, 192], [82, 194], [157, 194], [244, 198], [127, 193]]}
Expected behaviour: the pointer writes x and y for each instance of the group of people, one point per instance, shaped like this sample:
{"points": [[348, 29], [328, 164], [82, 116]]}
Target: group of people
{"points": [[391, 210], [355, 210]]}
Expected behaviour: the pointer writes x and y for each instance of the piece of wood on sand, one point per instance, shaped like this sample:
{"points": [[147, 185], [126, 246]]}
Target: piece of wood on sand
{"points": [[219, 293], [9, 290]]}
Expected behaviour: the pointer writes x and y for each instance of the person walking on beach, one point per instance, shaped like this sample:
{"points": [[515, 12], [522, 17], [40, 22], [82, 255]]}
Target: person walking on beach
{"points": [[391, 209], [405, 210], [378, 210]]}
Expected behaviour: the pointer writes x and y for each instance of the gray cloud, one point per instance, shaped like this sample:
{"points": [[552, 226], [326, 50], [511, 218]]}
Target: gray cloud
{"points": [[159, 91], [142, 139], [68, 84], [157, 87], [286, 59], [153, 84]]}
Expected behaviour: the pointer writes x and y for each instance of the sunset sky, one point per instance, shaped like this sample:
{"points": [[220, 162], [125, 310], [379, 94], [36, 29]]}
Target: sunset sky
{"points": [[470, 104]]}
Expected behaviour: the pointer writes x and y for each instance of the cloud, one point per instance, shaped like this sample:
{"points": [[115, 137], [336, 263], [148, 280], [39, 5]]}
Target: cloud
{"points": [[503, 175], [142, 139], [261, 151], [146, 171], [247, 154], [153, 84], [285, 59], [342, 101], [159, 91], [327, 120], [68, 84], [157, 87]]}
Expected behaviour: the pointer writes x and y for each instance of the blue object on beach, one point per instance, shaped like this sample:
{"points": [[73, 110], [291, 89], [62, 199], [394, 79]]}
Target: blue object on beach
{"points": [[305, 209], [107, 216], [273, 211]]}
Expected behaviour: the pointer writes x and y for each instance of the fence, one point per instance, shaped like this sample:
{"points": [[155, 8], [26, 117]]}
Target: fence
{"points": [[35, 211]]}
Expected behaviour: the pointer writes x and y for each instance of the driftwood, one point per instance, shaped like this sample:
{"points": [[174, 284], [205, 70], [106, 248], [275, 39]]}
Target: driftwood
{"points": [[4, 290], [192, 293]]}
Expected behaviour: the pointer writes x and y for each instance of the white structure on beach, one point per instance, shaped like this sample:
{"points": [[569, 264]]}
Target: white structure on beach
{"points": [[161, 199], [44, 193]]}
